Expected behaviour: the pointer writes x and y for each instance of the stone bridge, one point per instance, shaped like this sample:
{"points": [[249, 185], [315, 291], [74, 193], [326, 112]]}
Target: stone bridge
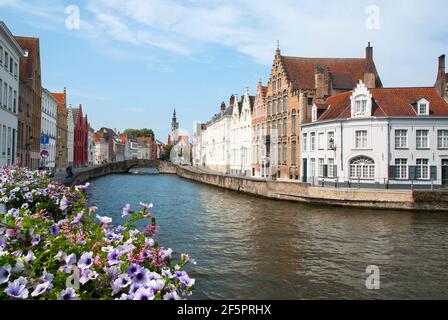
{"points": [[83, 175]]}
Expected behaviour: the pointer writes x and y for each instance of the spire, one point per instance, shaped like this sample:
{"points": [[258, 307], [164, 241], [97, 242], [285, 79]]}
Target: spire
{"points": [[278, 52]]}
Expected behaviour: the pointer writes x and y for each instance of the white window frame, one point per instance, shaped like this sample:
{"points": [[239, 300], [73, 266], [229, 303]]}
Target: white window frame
{"points": [[402, 168], [313, 141], [425, 104], [422, 171], [401, 139], [442, 139], [361, 141], [422, 141], [330, 135], [362, 168]]}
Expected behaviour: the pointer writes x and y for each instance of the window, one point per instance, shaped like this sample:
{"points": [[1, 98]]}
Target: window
{"points": [[321, 141], [279, 105], [305, 142], [6, 60], [422, 169], [285, 103], [11, 65], [314, 114], [313, 142], [423, 107], [401, 139], [422, 139], [313, 167], [442, 139], [274, 106], [331, 168], [293, 124], [15, 69], [269, 107], [293, 153], [279, 127], [361, 139], [401, 166], [285, 127], [1, 54], [362, 168], [331, 142], [321, 167], [360, 106], [285, 157]]}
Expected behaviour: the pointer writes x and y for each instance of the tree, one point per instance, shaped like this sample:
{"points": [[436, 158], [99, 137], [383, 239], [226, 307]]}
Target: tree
{"points": [[145, 132], [166, 155]]}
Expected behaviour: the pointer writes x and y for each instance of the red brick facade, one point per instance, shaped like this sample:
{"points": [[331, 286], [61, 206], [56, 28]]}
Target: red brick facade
{"points": [[80, 152]]}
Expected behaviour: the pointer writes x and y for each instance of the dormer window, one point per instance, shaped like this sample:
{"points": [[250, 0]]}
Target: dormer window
{"points": [[314, 114], [423, 107], [361, 102]]}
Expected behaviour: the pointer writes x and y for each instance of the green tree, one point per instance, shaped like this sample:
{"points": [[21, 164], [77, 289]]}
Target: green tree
{"points": [[145, 132], [167, 152]]}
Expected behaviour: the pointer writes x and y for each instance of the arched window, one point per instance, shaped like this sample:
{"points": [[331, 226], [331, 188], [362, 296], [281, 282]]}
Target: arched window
{"points": [[293, 123], [279, 105], [274, 106], [362, 168], [269, 107], [285, 103]]}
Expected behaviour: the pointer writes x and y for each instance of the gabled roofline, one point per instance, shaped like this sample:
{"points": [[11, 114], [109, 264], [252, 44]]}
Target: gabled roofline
{"points": [[11, 37]]}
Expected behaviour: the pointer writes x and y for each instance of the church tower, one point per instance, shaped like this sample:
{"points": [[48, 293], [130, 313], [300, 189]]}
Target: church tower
{"points": [[174, 128]]}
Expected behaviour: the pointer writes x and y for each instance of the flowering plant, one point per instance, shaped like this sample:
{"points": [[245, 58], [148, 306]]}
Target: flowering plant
{"points": [[52, 246]]}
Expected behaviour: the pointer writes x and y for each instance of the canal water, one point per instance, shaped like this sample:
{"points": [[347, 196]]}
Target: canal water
{"points": [[253, 248]]}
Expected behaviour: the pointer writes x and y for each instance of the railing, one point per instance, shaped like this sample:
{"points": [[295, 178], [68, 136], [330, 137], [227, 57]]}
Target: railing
{"points": [[374, 183]]}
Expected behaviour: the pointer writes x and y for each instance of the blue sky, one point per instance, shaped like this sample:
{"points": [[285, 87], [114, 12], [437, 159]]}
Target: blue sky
{"points": [[131, 62]]}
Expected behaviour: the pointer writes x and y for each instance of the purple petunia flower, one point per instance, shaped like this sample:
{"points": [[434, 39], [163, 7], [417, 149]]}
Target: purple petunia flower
{"points": [[17, 289], [40, 289], [63, 205], [127, 210], [113, 257], [141, 276], [5, 273], [171, 296], [120, 229], [167, 273], [186, 281], [104, 220], [83, 187], [54, 230], [120, 283], [14, 212], [87, 275], [144, 294], [86, 260], [36, 240], [78, 218], [68, 294], [146, 206], [132, 269], [156, 285]]}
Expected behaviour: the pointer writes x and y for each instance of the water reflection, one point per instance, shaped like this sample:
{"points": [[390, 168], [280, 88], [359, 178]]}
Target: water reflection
{"points": [[253, 248]]}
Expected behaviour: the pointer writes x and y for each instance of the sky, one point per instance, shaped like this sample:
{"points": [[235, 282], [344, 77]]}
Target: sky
{"points": [[129, 63]]}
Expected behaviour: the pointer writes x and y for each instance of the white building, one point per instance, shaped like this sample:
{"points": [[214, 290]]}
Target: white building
{"points": [[241, 136], [384, 137], [215, 140], [90, 147], [70, 135], [101, 149], [10, 54], [48, 127]]}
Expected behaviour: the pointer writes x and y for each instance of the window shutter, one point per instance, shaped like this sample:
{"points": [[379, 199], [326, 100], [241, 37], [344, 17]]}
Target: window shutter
{"points": [[433, 172], [392, 172], [335, 171], [412, 172], [326, 171]]}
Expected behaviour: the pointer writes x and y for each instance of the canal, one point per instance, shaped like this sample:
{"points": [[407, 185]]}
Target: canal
{"points": [[253, 248]]}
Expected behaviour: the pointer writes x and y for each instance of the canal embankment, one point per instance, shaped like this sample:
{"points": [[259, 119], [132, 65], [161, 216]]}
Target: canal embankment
{"points": [[425, 200]]}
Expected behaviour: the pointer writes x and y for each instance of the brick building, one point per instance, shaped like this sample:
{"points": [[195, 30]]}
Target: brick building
{"points": [[259, 115], [61, 139], [81, 130], [30, 76], [294, 86]]}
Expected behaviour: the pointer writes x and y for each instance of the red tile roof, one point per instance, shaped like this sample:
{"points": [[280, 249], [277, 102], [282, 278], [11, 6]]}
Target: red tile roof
{"points": [[388, 102], [345, 72], [59, 97]]}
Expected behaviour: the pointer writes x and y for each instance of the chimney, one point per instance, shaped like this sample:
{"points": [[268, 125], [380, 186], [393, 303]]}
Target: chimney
{"points": [[320, 82], [232, 100], [223, 107], [369, 53], [441, 83], [441, 66]]}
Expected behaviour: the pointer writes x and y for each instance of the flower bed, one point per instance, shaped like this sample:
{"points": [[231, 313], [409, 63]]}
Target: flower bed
{"points": [[52, 246]]}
